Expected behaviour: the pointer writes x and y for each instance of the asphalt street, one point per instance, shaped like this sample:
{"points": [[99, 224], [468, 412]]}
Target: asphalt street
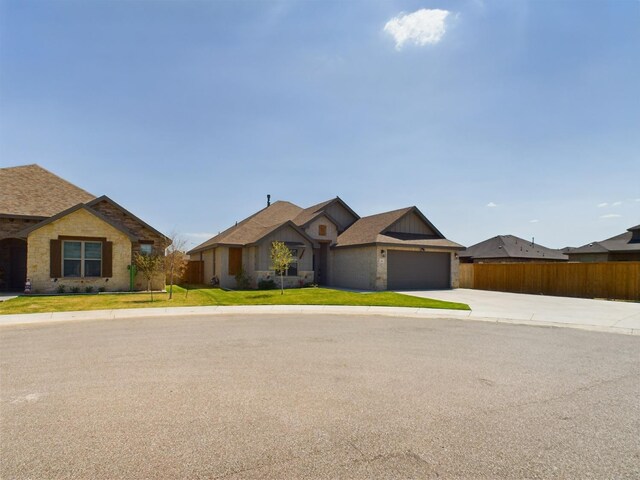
{"points": [[316, 396]]}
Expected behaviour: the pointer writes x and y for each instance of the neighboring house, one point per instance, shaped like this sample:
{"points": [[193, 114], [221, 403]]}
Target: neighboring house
{"points": [[621, 248], [55, 233], [333, 246], [510, 249]]}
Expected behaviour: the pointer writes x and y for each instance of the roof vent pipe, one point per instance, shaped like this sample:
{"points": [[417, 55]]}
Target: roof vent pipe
{"points": [[268, 200]]}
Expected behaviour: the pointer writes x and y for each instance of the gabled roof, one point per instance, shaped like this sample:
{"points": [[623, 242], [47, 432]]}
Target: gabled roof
{"points": [[25, 232], [32, 191], [373, 230], [255, 227], [104, 198], [510, 246], [309, 214], [625, 242]]}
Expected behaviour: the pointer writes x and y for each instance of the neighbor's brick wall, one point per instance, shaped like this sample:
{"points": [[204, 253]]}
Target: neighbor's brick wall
{"points": [[83, 224], [10, 226], [131, 224]]}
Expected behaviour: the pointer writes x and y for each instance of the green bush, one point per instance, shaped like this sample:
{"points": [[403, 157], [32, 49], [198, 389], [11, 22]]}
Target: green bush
{"points": [[102, 289], [243, 281], [267, 285], [75, 289], [88, 289], [61, 288]]}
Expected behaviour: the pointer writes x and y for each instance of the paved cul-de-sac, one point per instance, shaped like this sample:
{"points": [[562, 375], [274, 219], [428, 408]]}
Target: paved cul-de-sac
{"points": [[316, 396]]}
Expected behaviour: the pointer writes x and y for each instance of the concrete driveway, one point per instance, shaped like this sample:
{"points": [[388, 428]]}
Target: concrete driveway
{"points": [[544, 310], [316, 396]]}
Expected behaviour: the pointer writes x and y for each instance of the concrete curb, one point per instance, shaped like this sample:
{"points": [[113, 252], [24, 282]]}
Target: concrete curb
{"points": [[407, 312]]}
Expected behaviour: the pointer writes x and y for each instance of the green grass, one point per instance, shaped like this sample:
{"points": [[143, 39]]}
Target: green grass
{"points": [[215, 296]]}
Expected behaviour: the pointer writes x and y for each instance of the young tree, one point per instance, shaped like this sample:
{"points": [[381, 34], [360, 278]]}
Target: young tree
{"points": [[175, 259], [281, 259], [148, 266]]}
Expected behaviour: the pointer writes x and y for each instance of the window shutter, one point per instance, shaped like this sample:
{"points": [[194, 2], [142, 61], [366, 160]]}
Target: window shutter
{"points": [[107, 259], [55, 258]]}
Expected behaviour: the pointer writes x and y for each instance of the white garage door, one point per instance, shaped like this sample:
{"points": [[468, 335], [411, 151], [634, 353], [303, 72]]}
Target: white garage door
{"points": [[418, 270]]}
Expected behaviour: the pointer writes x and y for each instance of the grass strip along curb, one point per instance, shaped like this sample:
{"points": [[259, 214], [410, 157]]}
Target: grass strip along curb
{"points": [[183, 297]]}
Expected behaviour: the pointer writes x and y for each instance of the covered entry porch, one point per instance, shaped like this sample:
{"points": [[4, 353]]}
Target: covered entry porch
{"points": [[13, 264]]}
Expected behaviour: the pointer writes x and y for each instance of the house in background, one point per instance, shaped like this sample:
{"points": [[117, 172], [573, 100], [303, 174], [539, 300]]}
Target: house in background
{"points": [[333, 246], [510, 249], [54, 233], [621, 248]]}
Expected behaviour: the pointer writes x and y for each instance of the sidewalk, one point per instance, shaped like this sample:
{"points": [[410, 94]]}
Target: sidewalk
{"points": [[627, 322]]}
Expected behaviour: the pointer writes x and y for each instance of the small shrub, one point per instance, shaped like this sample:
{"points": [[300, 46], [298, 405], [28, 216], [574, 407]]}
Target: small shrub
{"points": [[75, 289], [102, 289], [88, 289], [267, 285], [61, 288], [243, 281]]}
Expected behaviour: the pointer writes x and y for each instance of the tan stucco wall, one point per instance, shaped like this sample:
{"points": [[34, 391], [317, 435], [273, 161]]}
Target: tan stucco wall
{"points": [[80, 224], [332, 230]]}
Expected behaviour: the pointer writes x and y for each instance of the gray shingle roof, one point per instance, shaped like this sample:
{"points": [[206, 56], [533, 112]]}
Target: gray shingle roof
{"points": [[368, 230], [30, 190], [255, 227], [309, 214], [371, 230], [510, 246]]}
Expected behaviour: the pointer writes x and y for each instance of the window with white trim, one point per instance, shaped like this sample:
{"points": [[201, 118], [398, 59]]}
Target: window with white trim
{"points": [[146, 249], [81, 259]]}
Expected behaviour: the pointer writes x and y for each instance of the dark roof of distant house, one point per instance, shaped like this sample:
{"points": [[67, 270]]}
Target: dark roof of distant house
{"points": [[255, 227], [623, 243], [510, 246], [32, 191], [372, 230]]}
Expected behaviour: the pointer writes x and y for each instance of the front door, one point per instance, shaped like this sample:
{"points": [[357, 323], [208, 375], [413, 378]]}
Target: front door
{"points": [[13, 264], [320, 263]]}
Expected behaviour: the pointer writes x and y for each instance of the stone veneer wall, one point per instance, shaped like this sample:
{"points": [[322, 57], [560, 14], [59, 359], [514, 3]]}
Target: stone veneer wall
{"points": [[303, 278], [80, 224]]}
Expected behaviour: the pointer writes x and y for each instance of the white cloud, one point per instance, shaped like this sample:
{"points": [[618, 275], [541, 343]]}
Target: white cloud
{"points": [[420, 27], [491, 205], [610, 215], [534, 221], [615, 204], [604, 204]]}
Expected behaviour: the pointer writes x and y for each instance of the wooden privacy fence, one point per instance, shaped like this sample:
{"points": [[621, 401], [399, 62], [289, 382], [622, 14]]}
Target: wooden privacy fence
{"points": [[614, 280], [195, 272]]}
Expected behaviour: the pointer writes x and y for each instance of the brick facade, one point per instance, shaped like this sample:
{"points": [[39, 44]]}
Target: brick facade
{"points": [[77, 224]]}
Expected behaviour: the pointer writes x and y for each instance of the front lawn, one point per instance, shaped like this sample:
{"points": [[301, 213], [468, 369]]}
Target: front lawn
{"points": [[215, 296]]}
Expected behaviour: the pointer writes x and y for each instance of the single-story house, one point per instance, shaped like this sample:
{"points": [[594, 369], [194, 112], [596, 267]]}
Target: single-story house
{"points": [[621, 248], [333, 246], [510, 249], [55, 233]]}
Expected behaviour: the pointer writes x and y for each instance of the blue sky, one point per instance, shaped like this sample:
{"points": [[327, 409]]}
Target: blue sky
{"points": [[494, 117]]}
